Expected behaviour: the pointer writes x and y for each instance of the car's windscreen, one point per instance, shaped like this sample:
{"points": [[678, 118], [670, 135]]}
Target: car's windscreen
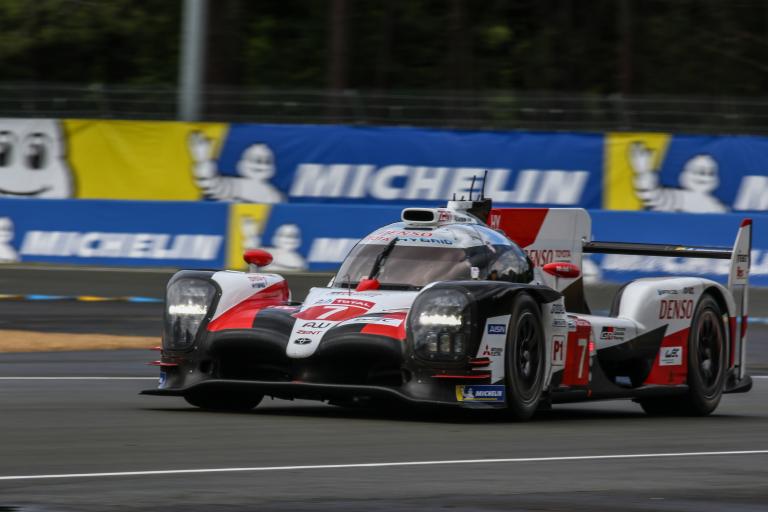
{"points": [[405, 266]]}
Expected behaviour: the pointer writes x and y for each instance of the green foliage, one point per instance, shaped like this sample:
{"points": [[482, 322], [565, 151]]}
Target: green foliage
{"points": [[705, 47]]}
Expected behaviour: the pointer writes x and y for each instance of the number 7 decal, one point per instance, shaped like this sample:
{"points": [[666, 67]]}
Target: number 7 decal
{"points": [[331, 310], [576, 372]]}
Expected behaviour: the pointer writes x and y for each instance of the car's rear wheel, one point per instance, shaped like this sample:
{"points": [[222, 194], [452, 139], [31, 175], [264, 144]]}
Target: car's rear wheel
{"points": [[707, 357], [525, 355], [223, 401]]}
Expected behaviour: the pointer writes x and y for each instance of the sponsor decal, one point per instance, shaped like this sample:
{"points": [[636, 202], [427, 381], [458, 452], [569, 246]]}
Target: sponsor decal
{"points": [[558, 350], [354, 302], [317, 325], [670, 356], [308, 333], [388, 233], [285, 308], [541, 257], [675, 309], [560, 322], [302, 341], [377, 320], [497, 329], [667, 292], [612, 333], [484, 393], [571, 324], [688, 290], [257, 282], [489, 351], [410, 239], [557, 309], [163, 377]]}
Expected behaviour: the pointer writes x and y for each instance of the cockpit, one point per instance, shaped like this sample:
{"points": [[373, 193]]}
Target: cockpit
{"points": [[407, 258]]}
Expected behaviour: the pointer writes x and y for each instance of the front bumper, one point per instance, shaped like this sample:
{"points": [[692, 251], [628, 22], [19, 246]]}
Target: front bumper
{"points": [[345, 393]]}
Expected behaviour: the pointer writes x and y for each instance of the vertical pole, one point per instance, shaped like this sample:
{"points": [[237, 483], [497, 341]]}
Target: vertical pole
{"points": [[191, 61], [336, 73]]}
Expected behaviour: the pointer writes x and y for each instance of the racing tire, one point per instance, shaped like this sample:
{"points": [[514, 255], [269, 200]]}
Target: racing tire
{"points": [[525, 358], [706, 357], [224, 402]]}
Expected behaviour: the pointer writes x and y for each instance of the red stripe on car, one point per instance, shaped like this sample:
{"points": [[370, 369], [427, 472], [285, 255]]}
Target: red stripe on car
{"points": [[391, 331], [241, 316], [520, 224], [671, 374]]}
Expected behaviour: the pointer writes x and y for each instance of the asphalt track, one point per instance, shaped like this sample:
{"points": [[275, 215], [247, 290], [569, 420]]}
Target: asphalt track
{"points": [[54, 427]]}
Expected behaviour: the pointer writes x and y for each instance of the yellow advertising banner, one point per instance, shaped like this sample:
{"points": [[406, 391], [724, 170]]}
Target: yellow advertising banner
{"points": [[631, 160], [147, 160], [246, 224]]}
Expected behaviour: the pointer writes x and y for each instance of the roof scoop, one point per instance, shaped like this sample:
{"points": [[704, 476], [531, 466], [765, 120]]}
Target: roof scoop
{"points": [[420, 216]]}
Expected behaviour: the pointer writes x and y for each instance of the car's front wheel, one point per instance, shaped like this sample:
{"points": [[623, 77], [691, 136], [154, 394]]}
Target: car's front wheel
{"points": [[525, 355]]}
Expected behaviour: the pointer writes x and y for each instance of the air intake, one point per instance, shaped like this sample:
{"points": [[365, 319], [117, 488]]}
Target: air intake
{"points": [[419, 216]]}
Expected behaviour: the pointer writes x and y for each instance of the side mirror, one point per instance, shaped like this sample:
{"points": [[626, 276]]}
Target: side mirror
{"points": [[257, 257], [562, 269]]}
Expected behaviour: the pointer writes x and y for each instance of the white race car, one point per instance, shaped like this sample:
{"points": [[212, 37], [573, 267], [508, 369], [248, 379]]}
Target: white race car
{"points": [[466, 306]]}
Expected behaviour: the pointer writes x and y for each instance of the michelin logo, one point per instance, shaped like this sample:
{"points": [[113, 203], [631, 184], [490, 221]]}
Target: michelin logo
{"points": [[434, 183], [480, 393], [96, 244]]}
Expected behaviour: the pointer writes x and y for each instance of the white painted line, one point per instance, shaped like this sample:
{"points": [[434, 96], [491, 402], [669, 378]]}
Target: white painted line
{"points": [[760, 376], [78, 378], [381, 465]]}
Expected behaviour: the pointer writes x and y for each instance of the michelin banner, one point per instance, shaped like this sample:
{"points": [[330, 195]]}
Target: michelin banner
{"points": [[270, 164], [119, 233], [303, 237]]}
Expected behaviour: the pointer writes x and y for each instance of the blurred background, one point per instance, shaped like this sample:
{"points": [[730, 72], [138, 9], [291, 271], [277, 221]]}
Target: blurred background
{"points": [[693, 65], [174, 134]]}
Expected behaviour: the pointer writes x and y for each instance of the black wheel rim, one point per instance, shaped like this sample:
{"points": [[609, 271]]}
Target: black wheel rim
{"points": [[709, 350], [528, 356]]}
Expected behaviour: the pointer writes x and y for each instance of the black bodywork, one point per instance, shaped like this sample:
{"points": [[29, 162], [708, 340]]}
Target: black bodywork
{"points": [[348, 366]]}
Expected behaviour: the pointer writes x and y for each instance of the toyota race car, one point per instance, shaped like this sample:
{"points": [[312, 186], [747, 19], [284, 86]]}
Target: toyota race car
{"points": [[466, 306]]}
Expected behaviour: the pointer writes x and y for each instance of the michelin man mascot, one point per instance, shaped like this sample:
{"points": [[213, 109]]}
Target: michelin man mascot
{"points": [[33, 161], [255, 168], [697, 181]]}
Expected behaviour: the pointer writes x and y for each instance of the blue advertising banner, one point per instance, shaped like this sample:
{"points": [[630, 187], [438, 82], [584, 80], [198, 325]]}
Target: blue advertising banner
{"points": [[686, 173], [388, 165], [120, 233], [316, 237], [666, 228]]}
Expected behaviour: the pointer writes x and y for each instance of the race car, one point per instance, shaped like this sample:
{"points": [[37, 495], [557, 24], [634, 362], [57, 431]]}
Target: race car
{"points": [[465, 306]]}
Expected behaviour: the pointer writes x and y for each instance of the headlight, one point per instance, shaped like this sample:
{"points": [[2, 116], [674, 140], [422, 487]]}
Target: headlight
{"points": [[441, 323], [187, 302]]}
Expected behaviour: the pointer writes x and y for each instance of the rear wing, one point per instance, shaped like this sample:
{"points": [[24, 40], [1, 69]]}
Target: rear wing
{"points": [[738, 275]]}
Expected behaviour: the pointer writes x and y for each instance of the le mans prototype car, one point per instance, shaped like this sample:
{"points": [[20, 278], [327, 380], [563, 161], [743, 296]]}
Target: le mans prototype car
{"points": [[467, 306]]}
